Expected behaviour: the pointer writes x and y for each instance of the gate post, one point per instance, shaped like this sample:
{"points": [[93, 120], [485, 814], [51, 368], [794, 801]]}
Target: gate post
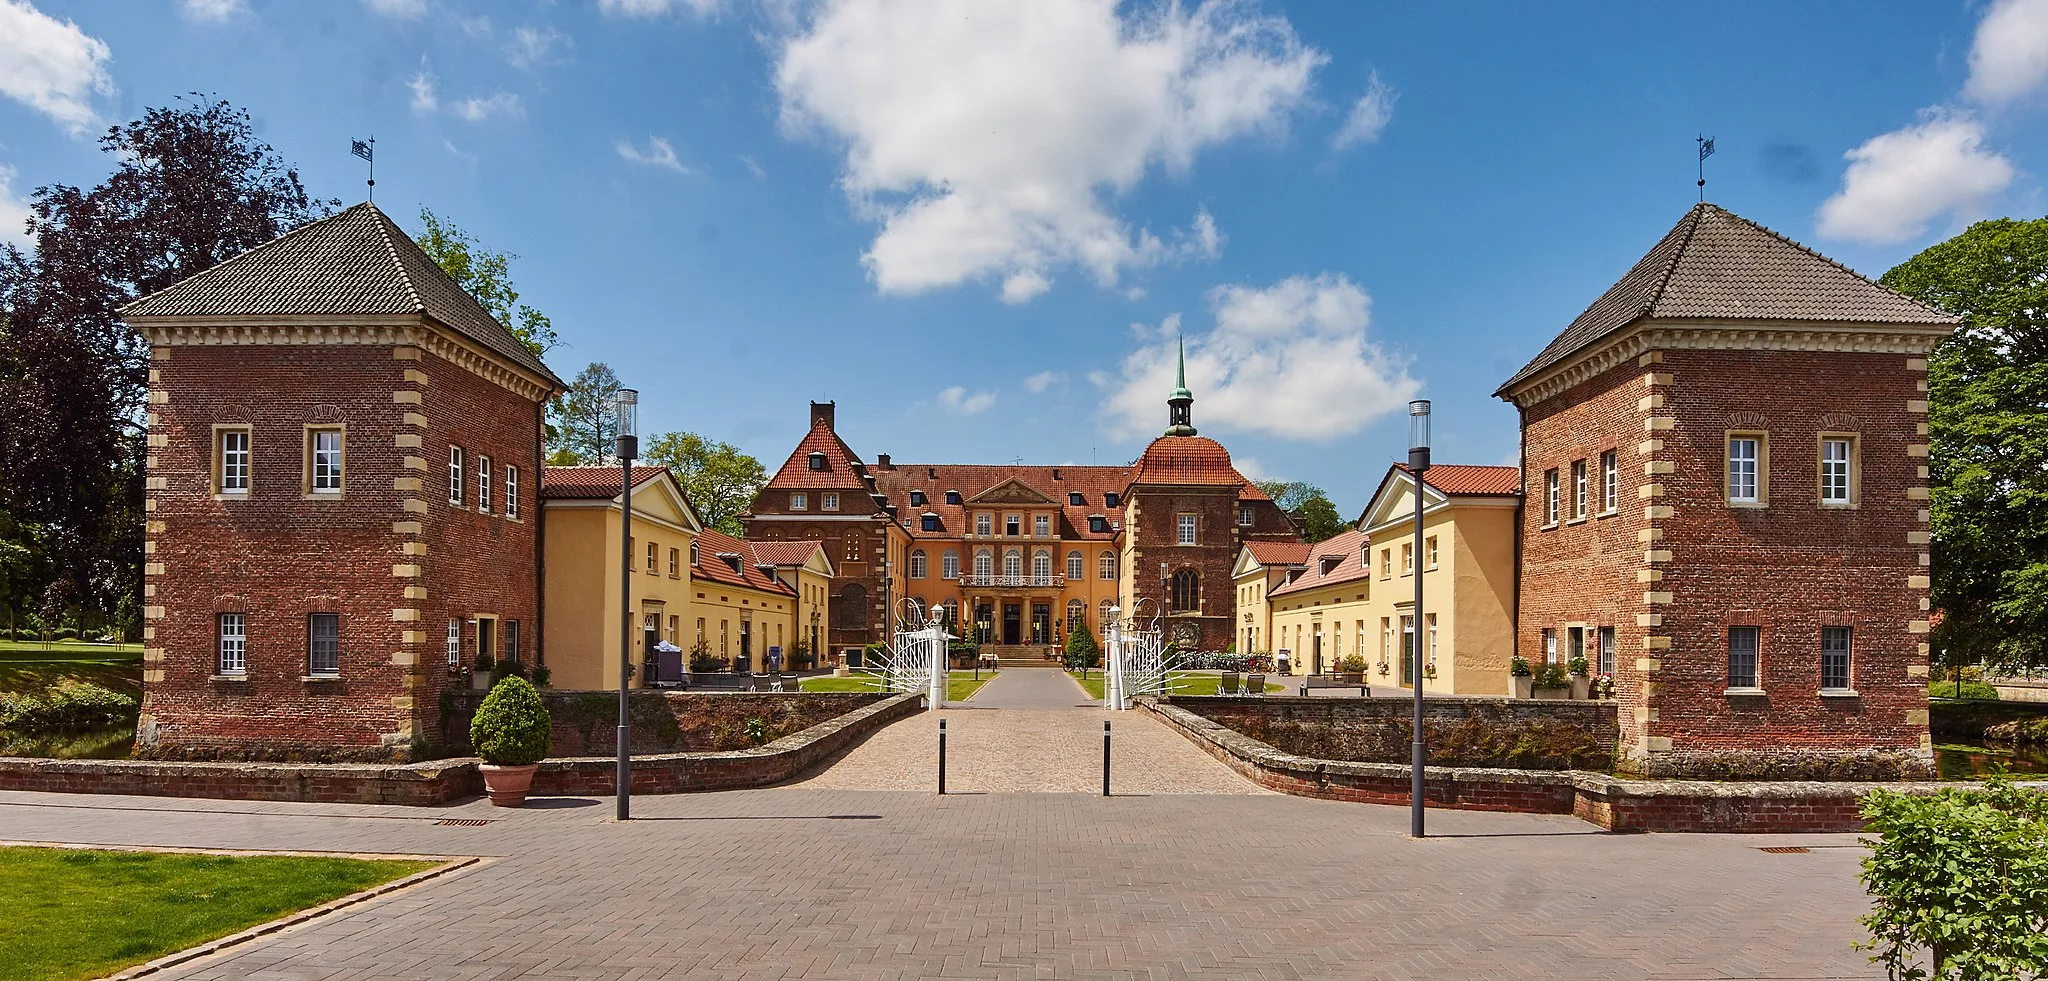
{"points": [[935, 645]]}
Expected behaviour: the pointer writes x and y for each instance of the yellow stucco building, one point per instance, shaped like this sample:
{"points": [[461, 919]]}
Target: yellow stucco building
{"points": [[1355, 593], [1262, 567]]}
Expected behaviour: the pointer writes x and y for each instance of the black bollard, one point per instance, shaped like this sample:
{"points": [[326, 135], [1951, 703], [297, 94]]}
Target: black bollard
{"points": [[942, 757], [1105, 757]]}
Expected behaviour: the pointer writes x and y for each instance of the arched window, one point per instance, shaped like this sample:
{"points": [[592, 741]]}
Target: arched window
{"points": [[1187, 591], [1075, 567], [1103, 613], [1077, 615], [984, 564], [917, 563], [1106, 566], [949, 565], [1041, 564], [850, 610], [1013, 563], [952, 608], [853, 546]]}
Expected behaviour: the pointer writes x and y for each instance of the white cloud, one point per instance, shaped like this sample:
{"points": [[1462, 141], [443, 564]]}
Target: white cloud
{"points": [[656, 8], [1251, 467], [476, 109], [1043, 380], [1369, 115], [424, 100], [51, 66], [215, 11], [2009, 58], [13, 213], [754, 167], [658, 154], [988, 147], [398, 9], [1291, 360], [1899, 182], [459, 153], [532, 46], [958, 399]]}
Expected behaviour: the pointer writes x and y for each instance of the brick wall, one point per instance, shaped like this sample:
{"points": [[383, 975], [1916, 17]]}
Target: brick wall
{"points": [[1470, 732], [1153, 514], [586, 722]]}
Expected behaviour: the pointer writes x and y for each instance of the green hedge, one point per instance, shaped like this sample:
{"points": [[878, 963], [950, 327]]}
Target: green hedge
{"points": [[64, 707], [1967, 689]]}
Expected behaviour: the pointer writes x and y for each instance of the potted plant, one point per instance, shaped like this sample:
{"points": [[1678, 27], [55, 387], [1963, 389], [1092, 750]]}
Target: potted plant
{"points": [[1385, 669], [1551, 683], [480, 672], [1429, 670], [1579, 672], [1603, 686], [1521, 679], [511, 733], [1352, 669]]}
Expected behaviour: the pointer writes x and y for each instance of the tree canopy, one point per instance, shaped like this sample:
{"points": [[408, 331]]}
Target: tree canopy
{"points": [[1988, 440], [487, 275], [719, 479], [585, 422], [1309, 506]]}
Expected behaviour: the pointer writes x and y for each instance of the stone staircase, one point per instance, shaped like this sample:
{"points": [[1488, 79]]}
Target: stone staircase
{"points": [[1020, 655]]}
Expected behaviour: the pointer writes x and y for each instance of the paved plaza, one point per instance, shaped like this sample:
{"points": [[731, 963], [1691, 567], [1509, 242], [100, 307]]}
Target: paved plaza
{"points": [[1187, 872]]}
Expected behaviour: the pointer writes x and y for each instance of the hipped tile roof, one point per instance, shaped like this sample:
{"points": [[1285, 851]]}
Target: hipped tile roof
{"points": [[590, 483], [1056, 483], [1279, 553], [356, 262], [1714, 265], [709, 567], [1348, 549]]}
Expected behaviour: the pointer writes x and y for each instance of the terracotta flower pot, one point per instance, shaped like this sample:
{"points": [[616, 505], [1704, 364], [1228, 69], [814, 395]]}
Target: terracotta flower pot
{"points": [[508, 785]]}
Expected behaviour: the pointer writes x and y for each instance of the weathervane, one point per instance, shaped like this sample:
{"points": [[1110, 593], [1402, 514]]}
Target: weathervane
{"points": [[367, 151], [1706, 150]]}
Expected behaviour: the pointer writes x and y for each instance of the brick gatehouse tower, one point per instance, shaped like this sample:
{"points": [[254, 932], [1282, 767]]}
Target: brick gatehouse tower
{"points": [[1019, 556], [342, 496], [1725, 467]]}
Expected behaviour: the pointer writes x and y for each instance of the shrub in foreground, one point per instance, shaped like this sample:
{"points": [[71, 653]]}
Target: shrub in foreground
{"points": [[1959, 883], [511, 727]]}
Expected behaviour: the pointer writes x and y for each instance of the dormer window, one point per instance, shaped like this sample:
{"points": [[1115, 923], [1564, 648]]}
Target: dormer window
{"points": [[1330, 562], [931, 522], [917, 498], [732, 559], [1075, 500], [1097, 524], [817, 460], [952, 497], [1109, 500], [696, 555]]}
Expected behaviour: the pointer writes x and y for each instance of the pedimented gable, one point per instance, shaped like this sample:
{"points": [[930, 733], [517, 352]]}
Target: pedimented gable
{"points": [[662, 499], [1395, 500], [1013, 491]]}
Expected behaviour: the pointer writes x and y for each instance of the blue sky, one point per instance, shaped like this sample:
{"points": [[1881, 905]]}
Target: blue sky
{"points": [[981, 230]]}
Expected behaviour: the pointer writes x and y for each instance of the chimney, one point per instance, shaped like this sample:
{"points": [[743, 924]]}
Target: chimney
{"points": [[821, 415], [882, 461], [1055, 473]]}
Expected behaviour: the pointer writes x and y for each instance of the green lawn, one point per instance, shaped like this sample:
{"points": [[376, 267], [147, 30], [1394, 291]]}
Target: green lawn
{"points": [[1183, 683], [959, 684], [76, 913], [123, 675], [66, 650]]}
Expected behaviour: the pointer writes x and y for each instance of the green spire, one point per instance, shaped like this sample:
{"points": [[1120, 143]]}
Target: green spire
{"points": [[1180, 390], [1180, 404]]}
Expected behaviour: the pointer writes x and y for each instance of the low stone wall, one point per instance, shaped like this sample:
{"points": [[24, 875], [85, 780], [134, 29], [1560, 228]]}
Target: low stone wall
{"points": [[1521, 733], [1611, 802], [2034, 692], [446, 781], [586, 722]]}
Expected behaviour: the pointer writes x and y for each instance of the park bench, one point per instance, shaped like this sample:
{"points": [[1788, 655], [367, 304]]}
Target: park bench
{"points": [[1334, 681]]}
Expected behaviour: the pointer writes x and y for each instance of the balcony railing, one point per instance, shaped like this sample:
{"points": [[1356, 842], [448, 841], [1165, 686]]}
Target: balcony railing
{"points": [[1014, 582]]}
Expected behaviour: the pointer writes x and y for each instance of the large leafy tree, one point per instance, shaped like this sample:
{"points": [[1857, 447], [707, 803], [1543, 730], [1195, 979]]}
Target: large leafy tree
{"points": [[1308, 505], [1988, 427], [585, 420], [720, 479], [191, 186], [487, 275]]}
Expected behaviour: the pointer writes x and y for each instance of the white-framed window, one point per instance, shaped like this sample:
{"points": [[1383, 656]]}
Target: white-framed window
{"points": [[483, 484], [1386, 563], [1407, 557], [1102, 615], [1105, 566], [1245, 515], [512, 641], [984, 564], [1077, 567], [917, 563], [799, 502], [232, 629], [1185, 527], [454, 641], [323, 458], [1837, 470], [828, 502], [1041, 564], [1431, 618], [231, 461], [1606, 650], [1550, 496], [983, 522], [1834, 658], [1429, 552], [1610, 481], [457, 480], [1578, 488], [675, 563], [653, 556], [1041, 525], [1742, 657], [1013, 563], [1013, 525], [1549, 646], [1745, 468], [949, 565], [323, 644], [511, 491]]}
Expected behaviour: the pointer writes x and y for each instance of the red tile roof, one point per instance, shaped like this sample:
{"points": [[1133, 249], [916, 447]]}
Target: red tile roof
{"points": [[1349, 565], [843, 469], [1186, 460], [590, 483], [710, 567], [1455, 479], [786, 553], [1057, 483], [1279, 553]]}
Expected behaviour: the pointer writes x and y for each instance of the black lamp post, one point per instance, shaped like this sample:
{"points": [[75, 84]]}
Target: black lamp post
{"points": [[1418, 464], [627, 448]]}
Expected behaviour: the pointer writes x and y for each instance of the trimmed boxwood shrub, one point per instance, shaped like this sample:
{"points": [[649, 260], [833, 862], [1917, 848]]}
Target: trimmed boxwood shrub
{"points": [[511, 727]]}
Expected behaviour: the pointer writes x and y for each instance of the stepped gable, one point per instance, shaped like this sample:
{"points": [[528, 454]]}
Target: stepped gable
{"points": [[354, 264], [1718, 266]]}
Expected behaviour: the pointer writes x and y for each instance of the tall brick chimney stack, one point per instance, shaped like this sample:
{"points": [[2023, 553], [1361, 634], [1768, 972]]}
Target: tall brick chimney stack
{"points": [[821, 415]]}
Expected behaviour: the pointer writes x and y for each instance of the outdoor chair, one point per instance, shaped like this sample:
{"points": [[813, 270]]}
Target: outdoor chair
{"points": [[1228, 685], [760, 682], [781, 682], [1255, 684]]}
